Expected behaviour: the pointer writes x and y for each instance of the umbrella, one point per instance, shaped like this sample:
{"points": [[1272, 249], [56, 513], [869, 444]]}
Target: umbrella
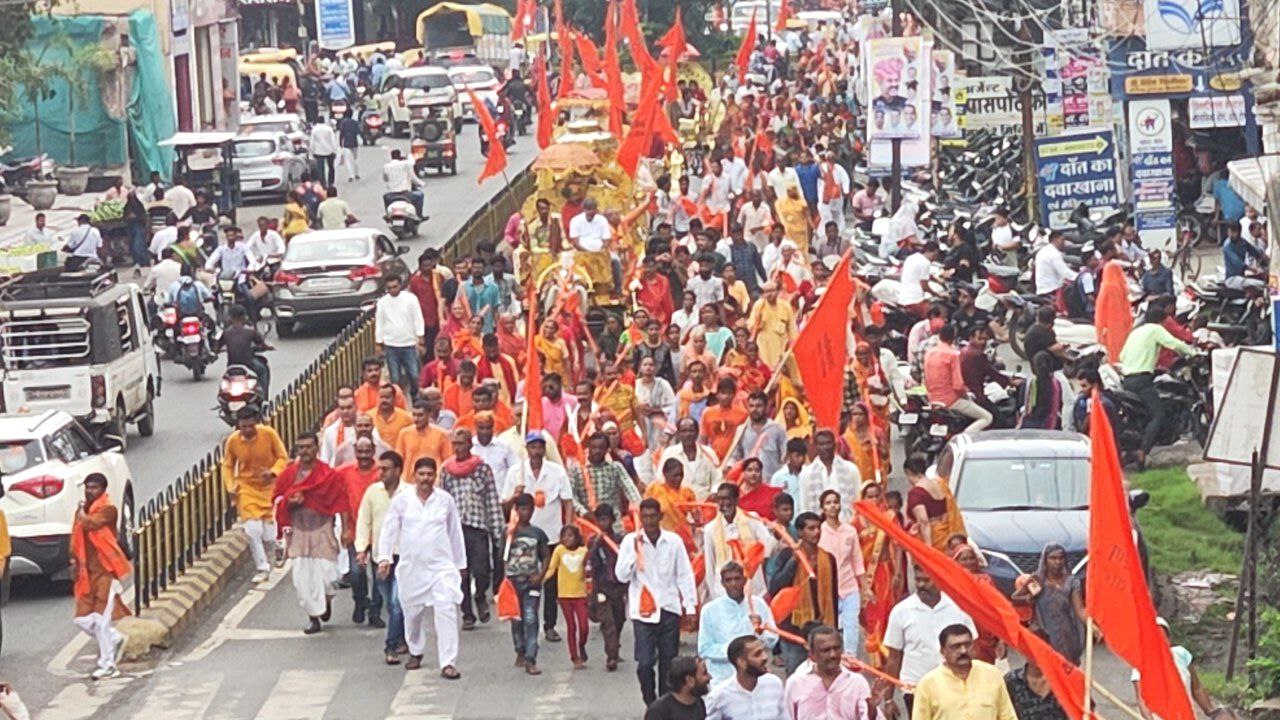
{"points": [[567, 156]]}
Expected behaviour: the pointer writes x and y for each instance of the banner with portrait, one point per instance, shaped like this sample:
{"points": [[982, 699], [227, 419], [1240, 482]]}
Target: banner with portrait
{"points": [[942, 79], [898, 87]]}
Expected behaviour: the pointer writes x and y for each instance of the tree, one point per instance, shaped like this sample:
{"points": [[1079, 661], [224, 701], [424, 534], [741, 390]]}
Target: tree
{"points": [[77, 65], [655, 17], [15, 31]]}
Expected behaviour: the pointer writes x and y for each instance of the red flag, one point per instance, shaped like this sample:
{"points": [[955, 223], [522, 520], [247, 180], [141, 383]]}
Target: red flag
{"points": [[630, 26], [564, 34], [545, 118], [990, 609], [533, 367], [784, 14], [497, 160], [675, 43], [650, 120], [613, 71], [1116, 593], [590, 58], [743, 60], [524, 19], [821, 351]]}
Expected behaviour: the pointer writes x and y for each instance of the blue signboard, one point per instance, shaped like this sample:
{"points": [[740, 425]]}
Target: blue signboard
{"points": [[1075, 169], [1153, 191], [335, 24], [1207, 71]]}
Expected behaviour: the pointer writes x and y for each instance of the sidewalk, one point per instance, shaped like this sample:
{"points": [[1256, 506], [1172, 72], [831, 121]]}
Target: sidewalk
{"points": [[60, 218]]}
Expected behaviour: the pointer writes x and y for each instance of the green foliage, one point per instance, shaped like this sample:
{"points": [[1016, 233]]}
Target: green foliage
{"points": [[656, 17], [1181, 533], [77, 67], [1265, 668], [15, 31]]}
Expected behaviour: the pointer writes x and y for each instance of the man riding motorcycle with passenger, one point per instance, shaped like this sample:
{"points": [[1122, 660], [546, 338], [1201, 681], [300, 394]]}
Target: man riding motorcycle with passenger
{"points": [[235, 261]]}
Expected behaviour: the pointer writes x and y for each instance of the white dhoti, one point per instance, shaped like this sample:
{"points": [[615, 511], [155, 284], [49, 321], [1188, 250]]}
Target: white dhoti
{"points": [[315, 580], [98, 626], [442, 593], [829, 211]]}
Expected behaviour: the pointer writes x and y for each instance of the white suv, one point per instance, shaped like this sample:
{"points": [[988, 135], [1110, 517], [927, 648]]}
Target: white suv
{"points": [[44, 460]]}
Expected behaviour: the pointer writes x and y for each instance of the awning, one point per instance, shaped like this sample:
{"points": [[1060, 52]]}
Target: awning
{"points": [[1248, 177]]}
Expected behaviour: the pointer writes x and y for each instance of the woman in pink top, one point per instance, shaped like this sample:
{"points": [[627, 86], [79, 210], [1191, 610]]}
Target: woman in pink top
{"points": [[841, 540]]}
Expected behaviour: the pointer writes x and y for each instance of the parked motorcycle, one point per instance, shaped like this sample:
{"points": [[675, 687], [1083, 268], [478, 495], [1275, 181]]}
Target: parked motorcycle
{"points": [[239, 388]]}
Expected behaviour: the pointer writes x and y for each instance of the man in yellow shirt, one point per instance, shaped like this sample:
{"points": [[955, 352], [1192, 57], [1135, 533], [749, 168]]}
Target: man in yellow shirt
{"points": [[389, 418], [422, 439], [251, 458], [961, 688]]}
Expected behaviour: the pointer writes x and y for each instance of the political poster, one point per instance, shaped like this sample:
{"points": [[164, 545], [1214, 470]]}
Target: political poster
{"points": [[897, 83], [943, 81], [1151, 172], [1076, 169]]}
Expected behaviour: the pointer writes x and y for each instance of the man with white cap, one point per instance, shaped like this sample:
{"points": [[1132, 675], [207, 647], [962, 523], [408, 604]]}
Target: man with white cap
{"points": [[552, 493]]}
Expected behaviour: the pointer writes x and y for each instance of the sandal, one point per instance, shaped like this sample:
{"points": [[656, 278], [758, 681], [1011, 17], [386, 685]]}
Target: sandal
{"points": [[450, 673], [393, 659]]}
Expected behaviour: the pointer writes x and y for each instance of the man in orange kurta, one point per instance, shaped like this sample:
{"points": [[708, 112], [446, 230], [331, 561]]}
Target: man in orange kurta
{"points": [[485, 399], [457, 393], [367, 393], [422, 439], [97, 567], [389, 419], [720, 422]]}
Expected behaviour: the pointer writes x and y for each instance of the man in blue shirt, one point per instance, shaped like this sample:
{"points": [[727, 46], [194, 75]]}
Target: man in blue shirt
{"points": [[729, 617], [483, 296], [1229, 202], [1236, 252], [808, 173]]}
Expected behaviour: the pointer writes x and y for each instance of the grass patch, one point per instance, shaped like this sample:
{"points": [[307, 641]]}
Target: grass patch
{"points": [[1181, 533], [1233, 692]]}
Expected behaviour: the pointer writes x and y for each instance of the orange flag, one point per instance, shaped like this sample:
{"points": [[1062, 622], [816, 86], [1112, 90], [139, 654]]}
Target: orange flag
{"points": [[565, 34], [630, 26], [743, 60], [590, 58], [821, 351], [533, 367], [675, 43], [1116, 593], [784, 14], [545, 118], [524, 19], [988, 607], [497, 160], [1113, 315], [613, 71], [650, 120]]}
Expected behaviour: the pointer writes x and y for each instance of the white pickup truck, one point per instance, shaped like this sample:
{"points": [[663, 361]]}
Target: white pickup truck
{"points": [[79, 343]]}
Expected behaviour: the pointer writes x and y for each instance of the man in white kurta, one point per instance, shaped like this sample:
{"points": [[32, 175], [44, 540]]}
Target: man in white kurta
{"points": [[426, 528], [732, 524]]}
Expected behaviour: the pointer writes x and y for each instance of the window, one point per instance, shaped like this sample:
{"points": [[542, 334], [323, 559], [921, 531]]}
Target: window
{"points": [[253, 148], [19, 455], [1024, 483], [429, 82], [69, 446], [344, 250], [385, 246], [476, 76], [30, 344], [125, 324]]}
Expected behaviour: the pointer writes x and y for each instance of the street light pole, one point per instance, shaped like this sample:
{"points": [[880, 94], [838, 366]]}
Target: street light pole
{"points": [[896, 168]]}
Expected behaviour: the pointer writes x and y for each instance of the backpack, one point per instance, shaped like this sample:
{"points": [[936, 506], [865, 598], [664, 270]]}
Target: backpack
{"points": [[188, 300]]}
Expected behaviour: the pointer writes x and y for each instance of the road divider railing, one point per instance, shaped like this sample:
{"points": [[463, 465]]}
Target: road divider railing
{"points": [[177, 526]]}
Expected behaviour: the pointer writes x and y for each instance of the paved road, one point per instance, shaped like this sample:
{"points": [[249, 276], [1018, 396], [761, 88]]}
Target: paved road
{"points": [[37, 619]]}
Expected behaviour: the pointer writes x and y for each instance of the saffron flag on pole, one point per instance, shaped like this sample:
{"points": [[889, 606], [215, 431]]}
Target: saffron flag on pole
{"points": [[650, 121], [590, 58], [674, 43], [497, 160], [821, 350], [1116, 595], [784, 14], [565, 36], [630, 26], [613, 71], [743, 60], [533, 367], [525, 12], [545, 119], [988, 607]]}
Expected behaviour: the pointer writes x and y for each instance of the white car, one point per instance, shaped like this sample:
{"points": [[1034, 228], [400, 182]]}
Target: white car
{"points": [[293, 126], [44, 460], [482, 81], [267, 163], [405, 93]]}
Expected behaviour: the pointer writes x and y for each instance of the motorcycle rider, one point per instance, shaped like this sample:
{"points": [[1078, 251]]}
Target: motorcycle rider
{"points": [[516, 93], [977, 370], [1051, 271], [189, 296], [402, 182], [243, 343], [266, 243], [233, 261], [1138, 359], [945, 384], [1236, 252]]}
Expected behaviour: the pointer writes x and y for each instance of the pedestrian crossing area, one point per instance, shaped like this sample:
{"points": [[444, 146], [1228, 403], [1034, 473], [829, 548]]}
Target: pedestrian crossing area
{"points": [[354, 690]]}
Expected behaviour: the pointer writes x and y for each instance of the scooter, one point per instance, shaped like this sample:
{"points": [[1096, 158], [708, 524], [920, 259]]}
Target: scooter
{"points": [[503, 133], [370, 126], [402, 218], [192, 346], [239, 388]]}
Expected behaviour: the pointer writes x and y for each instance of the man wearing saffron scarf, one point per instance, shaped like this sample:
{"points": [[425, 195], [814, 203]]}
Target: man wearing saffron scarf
{"points": [[309, 497], [496, 366], [728, 537], [425, 528], [818, 597], [469, 481], [97, 567]]}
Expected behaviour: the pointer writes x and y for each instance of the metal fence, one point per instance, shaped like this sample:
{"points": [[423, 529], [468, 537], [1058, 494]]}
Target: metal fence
{"points": [[176, 526]]}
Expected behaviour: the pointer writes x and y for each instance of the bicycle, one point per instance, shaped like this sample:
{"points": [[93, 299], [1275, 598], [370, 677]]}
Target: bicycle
{"points": [[1185, 260]]}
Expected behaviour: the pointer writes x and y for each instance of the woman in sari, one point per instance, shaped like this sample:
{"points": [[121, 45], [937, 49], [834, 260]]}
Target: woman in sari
{"points": [[986, 647], [884, 567], [457, 320], [868, 446], [509, 340], [553, 349], [1042, 407], [1112, 313], [752, 373], [794, 418], [793, 212], [633, 335], [873, 384], [1058, 599], [467, 341], [295, 220], [930, 504]]}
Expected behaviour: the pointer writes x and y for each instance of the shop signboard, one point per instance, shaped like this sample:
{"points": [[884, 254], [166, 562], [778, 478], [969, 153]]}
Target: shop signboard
{"points": [[335, 24], [992, 102], [1217, 111], [1137, 70], [1151, 172], [1181, 24], [1075, 169]]}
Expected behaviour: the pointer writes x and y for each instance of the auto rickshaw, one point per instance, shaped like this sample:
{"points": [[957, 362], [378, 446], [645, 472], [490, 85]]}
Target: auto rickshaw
{"points": [[434, 139], [203, 160]]}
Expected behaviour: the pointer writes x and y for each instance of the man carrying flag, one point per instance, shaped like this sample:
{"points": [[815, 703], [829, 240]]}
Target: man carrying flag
{"points": [[496, 162]]}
